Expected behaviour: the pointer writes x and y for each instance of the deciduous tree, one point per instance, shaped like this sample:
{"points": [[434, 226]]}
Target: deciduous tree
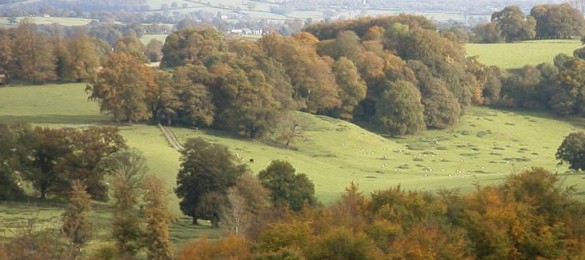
{"points": [[124, 88], [206, 169], [156, 234], [286, 187], [572, 151], [76, 225]]}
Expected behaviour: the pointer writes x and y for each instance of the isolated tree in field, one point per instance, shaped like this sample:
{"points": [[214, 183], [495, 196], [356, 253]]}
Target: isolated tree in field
{"points": [[129, 168], [286, 187], [76, 225], [207, 170], [399, 108], [572, 151], [124, 88], [156, 235]]}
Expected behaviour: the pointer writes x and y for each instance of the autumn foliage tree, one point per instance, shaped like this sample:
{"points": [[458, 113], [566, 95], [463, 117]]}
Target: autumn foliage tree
{"points": [[124, 88], [76, 223], [207, 171], [156, 235]]}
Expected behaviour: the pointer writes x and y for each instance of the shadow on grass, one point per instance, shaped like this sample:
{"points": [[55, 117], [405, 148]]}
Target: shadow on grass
{"points": [[56, 119]]}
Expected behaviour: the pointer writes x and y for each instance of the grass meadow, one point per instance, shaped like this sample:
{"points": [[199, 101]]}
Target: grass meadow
{"points": [[482, 149], [516, 55]]}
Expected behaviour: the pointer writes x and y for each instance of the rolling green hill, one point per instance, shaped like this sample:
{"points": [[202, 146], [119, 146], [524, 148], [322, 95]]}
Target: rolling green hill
{"points": [[483, 148], [485, 145]]}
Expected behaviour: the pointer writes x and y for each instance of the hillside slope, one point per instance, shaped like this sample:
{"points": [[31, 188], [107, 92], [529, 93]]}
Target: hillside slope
{"points": [[486, 145]]}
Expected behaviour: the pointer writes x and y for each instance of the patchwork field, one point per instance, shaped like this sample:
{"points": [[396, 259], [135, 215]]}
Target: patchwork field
{"points": [[482, 149], [516, 55]]}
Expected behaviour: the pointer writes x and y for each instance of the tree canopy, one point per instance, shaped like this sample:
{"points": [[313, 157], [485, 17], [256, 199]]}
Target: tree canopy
{"points": [[207, 171]]}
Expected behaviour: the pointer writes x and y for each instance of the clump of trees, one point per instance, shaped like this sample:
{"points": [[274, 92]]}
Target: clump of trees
{"points": [[529, 215], [397, 72], [52, 159], [561, 21], [213, 185], [556, 86]]}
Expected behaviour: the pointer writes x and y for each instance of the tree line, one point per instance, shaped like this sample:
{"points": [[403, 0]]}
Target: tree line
{"points": [[42, 54], [549, 21]]}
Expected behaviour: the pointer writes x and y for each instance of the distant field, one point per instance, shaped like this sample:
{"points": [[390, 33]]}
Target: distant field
{"points": [[146, 38], [66, 21], [482, 149], [516, 55]]}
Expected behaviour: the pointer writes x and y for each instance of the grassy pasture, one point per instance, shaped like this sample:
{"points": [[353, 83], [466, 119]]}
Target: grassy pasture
{"points": [[516, 55], [145, 39], [482, 149]]}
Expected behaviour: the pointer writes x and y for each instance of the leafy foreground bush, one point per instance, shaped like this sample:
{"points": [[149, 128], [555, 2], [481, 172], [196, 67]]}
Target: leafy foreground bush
{"points": [[529, 216]]}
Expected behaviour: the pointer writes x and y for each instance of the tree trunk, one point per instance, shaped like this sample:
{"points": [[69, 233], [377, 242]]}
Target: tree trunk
{"points": [[195, 221]]}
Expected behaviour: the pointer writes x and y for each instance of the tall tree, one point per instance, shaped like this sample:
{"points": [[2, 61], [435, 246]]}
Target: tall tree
{"points": [[352, 88], [76, 223], [287, 188], [156, 235], [47, 150], [83, 57], [207, 170], [33, 53], [129, 168], [13, 155], [124, 87], [7, 59]]}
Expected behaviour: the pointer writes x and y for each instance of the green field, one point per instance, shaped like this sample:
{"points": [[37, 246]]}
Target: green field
{"points": [[145, 39], [482, 149], [516, 55]]}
